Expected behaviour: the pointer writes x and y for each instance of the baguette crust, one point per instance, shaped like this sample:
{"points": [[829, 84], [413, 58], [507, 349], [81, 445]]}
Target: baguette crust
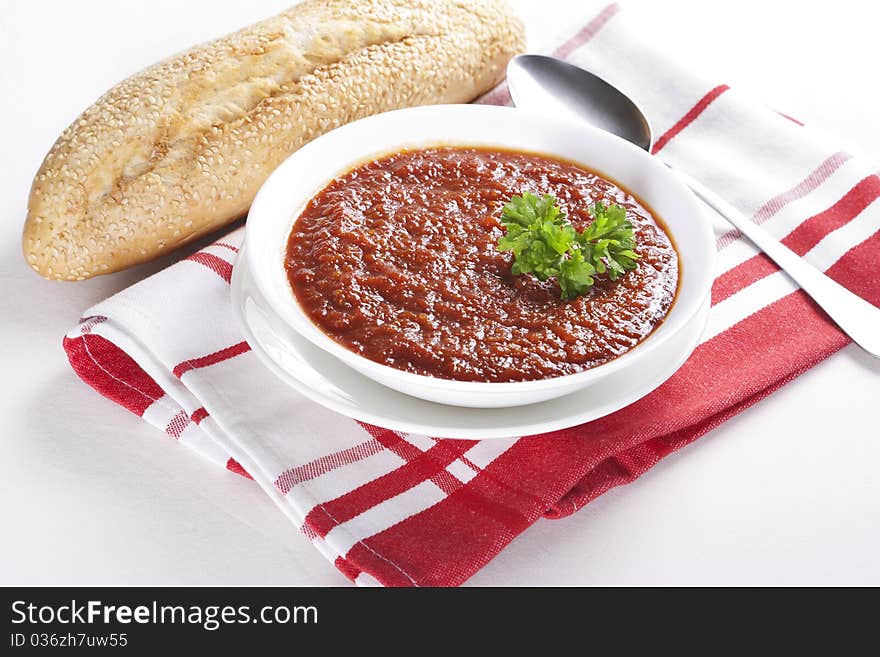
{"points": [[180, 149]]}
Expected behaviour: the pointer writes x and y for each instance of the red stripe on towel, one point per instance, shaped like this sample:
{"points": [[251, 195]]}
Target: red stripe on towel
{"points": [[215, 263], [689, 118], [587, 32], [295, 476], [211, 359], [177, 425], [234, 466]]}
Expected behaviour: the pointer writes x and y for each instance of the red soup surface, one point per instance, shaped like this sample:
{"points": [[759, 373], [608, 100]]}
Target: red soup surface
{"points": [[397, 261]]}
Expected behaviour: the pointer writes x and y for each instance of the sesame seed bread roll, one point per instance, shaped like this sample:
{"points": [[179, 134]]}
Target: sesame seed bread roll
{"points": [[181, 148]]}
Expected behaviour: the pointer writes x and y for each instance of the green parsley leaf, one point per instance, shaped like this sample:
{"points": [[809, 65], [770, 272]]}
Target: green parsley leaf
{"points": [[537, 233], [545, 244], [575, 275], [527, 208]]}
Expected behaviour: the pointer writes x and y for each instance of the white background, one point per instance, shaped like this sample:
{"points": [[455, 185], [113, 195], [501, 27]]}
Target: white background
{"points": [[786, 493]]}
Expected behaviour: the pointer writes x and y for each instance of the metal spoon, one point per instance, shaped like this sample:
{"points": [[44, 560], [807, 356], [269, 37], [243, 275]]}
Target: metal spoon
{"points": [[549, 85]]}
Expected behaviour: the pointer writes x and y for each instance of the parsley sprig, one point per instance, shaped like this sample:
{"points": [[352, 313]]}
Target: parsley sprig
{"points": [[545, 244]]}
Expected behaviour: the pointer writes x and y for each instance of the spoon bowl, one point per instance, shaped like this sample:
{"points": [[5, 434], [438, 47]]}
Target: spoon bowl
{"points": [[553, 86]]}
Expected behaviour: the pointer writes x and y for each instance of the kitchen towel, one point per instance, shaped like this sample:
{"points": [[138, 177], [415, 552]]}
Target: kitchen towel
{"points": [[400, 509]]}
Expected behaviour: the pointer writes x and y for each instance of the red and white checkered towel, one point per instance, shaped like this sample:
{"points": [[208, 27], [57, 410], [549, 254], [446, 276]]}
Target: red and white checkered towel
{"points": [[398, 509]]}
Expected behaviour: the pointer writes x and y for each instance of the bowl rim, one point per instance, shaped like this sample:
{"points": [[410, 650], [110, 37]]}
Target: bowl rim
{"points": [[279, 180]]}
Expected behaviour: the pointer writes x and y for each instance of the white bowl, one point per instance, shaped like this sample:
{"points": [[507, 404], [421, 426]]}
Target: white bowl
{"points": [[283, 196]]}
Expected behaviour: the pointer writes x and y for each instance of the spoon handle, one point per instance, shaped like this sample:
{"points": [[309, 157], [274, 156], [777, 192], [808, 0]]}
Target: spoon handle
{"points": [[856, 317]]}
